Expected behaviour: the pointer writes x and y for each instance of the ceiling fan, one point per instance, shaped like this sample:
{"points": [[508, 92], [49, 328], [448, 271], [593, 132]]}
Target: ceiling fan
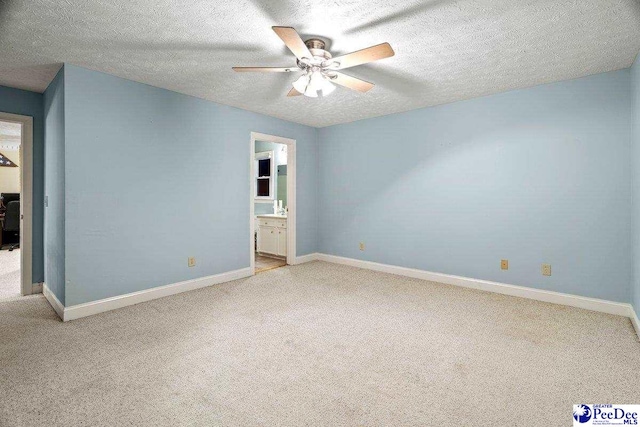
{"points": [[319, 68]]}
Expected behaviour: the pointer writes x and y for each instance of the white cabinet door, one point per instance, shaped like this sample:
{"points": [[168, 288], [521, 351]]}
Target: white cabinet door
{"points": [[282, 241], [268, 240]]}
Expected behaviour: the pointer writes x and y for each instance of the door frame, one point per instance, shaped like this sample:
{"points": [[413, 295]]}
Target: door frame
{"points": [[291, 195], [26, 200]]}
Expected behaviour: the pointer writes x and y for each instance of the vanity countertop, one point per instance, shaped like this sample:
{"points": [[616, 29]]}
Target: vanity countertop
{"points": [[272, 216]]}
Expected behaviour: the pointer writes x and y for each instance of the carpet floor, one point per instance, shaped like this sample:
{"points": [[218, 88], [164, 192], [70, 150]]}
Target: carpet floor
{"points": [[9, 274], [316, 344]]}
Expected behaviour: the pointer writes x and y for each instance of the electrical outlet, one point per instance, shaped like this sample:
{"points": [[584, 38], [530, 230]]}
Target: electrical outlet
{"points": [[546, 269], [504, 264], [192, 262], [362, 246]]}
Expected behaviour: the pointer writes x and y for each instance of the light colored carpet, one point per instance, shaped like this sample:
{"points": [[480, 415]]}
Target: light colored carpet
{"points": [[319, 345], [9, 274]]}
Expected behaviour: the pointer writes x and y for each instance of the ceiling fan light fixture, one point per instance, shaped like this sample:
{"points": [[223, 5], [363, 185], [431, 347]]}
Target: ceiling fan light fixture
{"points": [[302, 83], [310, 92], [321, 84], [314, 83]]}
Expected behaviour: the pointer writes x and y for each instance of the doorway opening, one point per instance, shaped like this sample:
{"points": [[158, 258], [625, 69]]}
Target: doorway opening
{"points": [[272, 212], [15, 206]]}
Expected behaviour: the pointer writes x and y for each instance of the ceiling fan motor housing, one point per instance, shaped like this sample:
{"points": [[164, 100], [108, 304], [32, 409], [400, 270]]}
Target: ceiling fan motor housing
{"points": [[315, 44], [320, 56]]}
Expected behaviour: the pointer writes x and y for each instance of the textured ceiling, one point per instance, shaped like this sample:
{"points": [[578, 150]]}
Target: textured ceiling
{"points": [[10, 135], [446, 50]]}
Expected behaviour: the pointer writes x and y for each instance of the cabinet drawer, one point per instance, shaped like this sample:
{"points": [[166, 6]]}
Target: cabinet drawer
{"points": [[271, 222]]}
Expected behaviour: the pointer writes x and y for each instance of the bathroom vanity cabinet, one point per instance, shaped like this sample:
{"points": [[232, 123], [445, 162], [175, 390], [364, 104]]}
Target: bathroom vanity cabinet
{"points": [[272, 235]]}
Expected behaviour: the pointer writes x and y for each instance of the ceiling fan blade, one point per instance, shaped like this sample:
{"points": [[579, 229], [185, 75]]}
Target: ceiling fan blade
{"points": [[352, 82], [266, 69], [292, 39], [293, 92], [363, 56]]}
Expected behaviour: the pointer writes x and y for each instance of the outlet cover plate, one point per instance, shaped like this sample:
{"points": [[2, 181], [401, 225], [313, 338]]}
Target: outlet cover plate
{"points": [[546, 269]]}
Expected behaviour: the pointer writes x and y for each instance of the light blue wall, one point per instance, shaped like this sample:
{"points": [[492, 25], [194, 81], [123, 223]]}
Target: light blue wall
{"points": [[16, 101], [153, 177], [635, 88], [54, 219], [536, 175], [541, 175], [263, 208]]}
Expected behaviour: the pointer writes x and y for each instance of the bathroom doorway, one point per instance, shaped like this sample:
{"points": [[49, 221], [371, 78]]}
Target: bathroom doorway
{"points": [[272, 213]]}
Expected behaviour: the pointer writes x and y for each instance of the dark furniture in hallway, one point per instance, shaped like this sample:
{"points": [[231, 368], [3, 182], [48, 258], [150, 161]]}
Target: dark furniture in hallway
{"points": [[10, 220]]}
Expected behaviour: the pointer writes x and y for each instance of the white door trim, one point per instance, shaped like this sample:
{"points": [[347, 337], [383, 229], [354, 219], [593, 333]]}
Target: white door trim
{"points": [[291, 194], [26, 199]]}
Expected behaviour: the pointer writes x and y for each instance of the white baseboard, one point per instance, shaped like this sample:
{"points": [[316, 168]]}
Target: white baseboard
{"points": [[100, 306], [594, 304], [53, 300], [635, 321], [107, 304], [306, 258], [36, 288]]}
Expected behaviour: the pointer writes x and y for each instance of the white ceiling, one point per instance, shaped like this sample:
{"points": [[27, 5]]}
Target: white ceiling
{"points": [[446, 50], [10, 137]]}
